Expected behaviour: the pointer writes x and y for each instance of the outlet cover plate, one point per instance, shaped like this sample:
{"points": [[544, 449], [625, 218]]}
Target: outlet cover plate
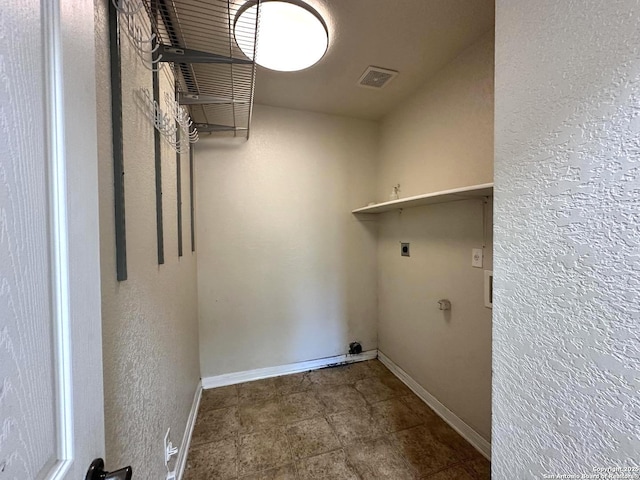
{"points": [[404, 249], [476, 257]]}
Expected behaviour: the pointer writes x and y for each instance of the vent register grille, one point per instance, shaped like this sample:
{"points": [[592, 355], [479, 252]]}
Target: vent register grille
{"points": [[376, 77], [215, 79]]}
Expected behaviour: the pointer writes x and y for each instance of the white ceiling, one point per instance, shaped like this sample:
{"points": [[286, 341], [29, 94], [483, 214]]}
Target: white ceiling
{"points": [[414, 37]]}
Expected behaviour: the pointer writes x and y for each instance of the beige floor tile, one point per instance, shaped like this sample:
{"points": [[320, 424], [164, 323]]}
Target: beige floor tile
{"points": [[378, 368], [393, 415], [426, 454], [300, 406], [449, 436], [257, 391], [354, 426], [377, 460], [357, 371], [288, 384], [480, 468], [374, 390], [328, 466], [262, 451], [288, 472], [221, 397], [454, 473], [340, 398], [425, 412], [215, 425], [212, 460], [311, 437], [351, 422], [330, 376], [382, 387], [396, 385], [260, 416]]}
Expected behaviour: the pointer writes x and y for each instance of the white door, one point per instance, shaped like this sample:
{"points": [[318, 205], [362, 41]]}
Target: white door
{"points": [[51, 401]]}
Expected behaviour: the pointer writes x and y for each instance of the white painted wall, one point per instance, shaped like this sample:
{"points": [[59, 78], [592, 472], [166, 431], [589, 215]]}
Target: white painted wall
{"points": [[150, 320], [439, 139], [285, 273], [567, 321]]}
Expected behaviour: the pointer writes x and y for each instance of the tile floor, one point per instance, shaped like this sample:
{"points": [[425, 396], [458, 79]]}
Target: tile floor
{"points": [[356, 421]]}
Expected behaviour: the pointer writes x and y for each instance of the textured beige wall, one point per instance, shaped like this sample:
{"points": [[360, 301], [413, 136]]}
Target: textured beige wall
{"points": [[150, 320], [441, 138], [566, 330], [285, 272], [447, 353]]}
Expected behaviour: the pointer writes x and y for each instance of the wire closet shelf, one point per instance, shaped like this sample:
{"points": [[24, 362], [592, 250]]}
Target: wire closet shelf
{"points": [[215, 79]]}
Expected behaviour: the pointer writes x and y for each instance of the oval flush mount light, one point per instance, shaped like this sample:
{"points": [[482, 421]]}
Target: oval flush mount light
{"points": [[292, 35]]}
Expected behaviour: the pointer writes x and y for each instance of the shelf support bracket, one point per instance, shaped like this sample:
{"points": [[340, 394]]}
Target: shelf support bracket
{"points": [[192, 99], [186, 55], [212, 127]]}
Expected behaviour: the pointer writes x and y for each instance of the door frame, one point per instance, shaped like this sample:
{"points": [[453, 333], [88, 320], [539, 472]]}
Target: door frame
{"points": [[71, 123], [59, 242]]}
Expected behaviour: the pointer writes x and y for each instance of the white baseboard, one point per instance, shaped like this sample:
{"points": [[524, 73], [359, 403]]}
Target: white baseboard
{"points": [[473, 437], [268, 372], [181, 463]]}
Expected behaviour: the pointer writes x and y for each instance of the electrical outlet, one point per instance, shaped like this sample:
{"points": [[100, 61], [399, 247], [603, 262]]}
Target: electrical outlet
{"points": [[404, 249], [476, 257]]}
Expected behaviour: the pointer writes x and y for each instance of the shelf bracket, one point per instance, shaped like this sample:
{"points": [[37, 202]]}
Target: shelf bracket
{"points": [[212, 127], [192, 99], [186, 55]]}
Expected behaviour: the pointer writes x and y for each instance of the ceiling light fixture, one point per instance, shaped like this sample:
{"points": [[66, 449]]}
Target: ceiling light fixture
{"points": [[292, 35]]}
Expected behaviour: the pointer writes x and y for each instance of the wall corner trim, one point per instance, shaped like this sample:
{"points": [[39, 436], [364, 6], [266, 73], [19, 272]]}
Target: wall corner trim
{"points": [[181, 464], [268, 372], [468, 433]]}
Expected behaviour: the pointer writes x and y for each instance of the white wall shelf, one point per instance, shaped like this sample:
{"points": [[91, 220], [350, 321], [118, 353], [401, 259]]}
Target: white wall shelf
{"points": [[463, 193]]}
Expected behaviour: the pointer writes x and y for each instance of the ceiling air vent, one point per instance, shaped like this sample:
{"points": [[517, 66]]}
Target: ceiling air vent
{"points": [[376, 77]]}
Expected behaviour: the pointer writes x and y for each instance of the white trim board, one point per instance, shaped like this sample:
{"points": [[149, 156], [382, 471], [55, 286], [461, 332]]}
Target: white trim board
{"points": [[268, 372], [468, 433], [59, 223], [181, 463]]}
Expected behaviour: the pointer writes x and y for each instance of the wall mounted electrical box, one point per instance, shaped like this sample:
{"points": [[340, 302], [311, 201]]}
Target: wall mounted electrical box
{"points": [[404, 249]]}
